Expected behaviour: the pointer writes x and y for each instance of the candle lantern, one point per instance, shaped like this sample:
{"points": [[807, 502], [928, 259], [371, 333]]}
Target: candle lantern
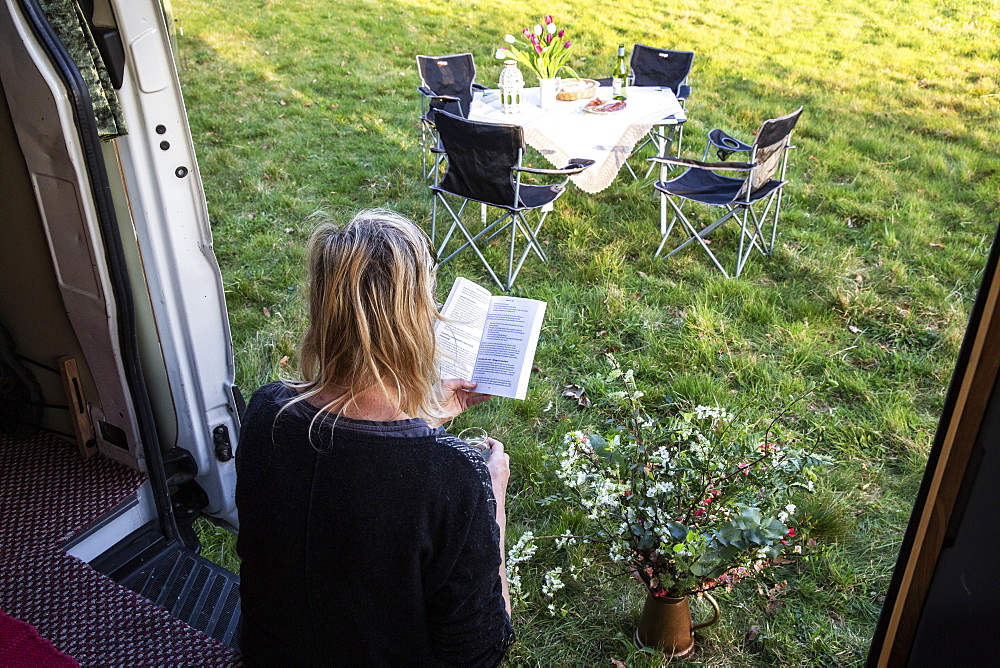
{"points": [[511, 87]]}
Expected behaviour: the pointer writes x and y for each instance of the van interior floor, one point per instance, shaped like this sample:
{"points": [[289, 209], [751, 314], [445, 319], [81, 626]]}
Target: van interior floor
{"points": [[49, 494]]}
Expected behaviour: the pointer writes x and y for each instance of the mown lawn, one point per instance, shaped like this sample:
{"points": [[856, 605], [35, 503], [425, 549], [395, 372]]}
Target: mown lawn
{"points": [[304, 110]]}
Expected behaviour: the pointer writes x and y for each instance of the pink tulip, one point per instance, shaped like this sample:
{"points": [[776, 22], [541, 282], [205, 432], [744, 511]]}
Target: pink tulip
{"points": [[538, 49], [548, 19], [561, 34], [548, 39], [567, 45], [526, 33]]}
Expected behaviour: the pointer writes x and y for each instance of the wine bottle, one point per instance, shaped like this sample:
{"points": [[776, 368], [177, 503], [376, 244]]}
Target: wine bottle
{"points": [[619, 78]]}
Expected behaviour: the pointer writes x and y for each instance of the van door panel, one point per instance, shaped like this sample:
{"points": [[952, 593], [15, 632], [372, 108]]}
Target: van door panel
{"points": [[43, 118]]}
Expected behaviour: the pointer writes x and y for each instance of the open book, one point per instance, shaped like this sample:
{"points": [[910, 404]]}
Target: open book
{"points": [[489, 340]]}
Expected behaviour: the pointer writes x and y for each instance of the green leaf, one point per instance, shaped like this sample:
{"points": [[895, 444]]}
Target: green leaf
{"points": [[648, 541], [677, 530], [751, 515], [731, 533]]}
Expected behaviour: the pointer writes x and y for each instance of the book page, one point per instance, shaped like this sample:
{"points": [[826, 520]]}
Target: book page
{"points": [[459, 333], [507, 350]]}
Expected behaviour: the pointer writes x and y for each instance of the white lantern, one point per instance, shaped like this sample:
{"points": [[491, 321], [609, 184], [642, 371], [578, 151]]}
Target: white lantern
{"points": [[511, 87]]}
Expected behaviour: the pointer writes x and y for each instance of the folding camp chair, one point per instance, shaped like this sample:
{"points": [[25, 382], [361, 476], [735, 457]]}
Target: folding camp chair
{"points": [[700, 183], [662, 68], [484, 166], [446, 83], [667, 69]]}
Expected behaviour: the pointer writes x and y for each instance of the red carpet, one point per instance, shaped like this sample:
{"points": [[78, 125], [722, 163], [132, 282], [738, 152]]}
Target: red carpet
{"points": [[49, 494], [22, 647]]}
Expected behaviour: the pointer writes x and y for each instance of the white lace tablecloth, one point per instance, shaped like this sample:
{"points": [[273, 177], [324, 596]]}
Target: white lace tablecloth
{"points": [[567, 131]]}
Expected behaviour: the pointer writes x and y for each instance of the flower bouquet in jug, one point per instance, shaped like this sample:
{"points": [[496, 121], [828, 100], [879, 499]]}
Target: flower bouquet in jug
{"points": [[544, 49], [685, 501]]}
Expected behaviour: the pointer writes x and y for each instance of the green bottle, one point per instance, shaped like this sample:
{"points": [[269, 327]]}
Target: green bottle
{"points": [[619, 78]]}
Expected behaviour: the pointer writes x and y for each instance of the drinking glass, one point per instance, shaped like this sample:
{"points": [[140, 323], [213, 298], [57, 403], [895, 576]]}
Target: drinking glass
{"points": [[477, 438]]}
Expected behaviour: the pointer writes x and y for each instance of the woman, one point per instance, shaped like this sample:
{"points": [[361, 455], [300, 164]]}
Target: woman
{"points": [[369, 536]]}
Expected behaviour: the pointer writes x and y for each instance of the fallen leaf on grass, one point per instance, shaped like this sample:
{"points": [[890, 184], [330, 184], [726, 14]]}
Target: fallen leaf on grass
{"points": [[282, 102], [602, 333], [283, 361], [933, 245], [266, 311], [752, 633], [578, 393], [772, 596], [814, 158], [853, 330], [619, 664]]}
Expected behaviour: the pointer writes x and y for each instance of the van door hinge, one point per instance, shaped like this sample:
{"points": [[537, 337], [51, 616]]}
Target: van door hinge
{"points": [[223, 446]]}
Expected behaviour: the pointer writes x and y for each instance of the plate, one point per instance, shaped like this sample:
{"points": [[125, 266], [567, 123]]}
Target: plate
{"points": [[603, 108]]}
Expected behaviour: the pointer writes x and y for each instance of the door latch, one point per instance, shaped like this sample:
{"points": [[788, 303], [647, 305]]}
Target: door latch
{"points": [[223, 446]]}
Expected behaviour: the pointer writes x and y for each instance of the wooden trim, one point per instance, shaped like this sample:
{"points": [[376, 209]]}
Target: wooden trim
{"points": [[978, 379], [79, 410]]}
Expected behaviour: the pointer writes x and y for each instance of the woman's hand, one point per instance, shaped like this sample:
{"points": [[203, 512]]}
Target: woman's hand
{"points": [[456, 396], [499, 467]]}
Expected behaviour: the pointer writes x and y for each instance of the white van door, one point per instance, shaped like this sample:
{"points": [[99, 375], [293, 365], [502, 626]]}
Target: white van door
{"points": [[127, 230]]}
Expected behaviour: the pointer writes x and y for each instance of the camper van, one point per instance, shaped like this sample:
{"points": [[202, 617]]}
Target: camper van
{"points": [[118, 414]]}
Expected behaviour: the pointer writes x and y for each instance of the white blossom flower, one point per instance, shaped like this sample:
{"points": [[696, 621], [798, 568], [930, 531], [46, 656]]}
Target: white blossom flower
{"points": [[538, 29], [553, 582], [510, 39]]}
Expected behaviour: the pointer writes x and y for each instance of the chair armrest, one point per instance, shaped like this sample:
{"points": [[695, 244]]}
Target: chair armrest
{"points": [[726, 142], [683, 92], [698, 164], [437, 149], [425, 91], [575, 166], [479, 86]]}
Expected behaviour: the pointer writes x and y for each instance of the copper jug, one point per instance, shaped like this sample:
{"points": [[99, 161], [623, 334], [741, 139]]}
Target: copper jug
{"points": [[665, 624]]}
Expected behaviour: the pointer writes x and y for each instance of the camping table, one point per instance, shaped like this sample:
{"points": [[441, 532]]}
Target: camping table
{"points": [[567, 131]]}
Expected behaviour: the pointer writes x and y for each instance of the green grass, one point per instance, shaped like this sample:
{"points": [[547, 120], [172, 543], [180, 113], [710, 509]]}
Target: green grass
{"points": [[302, 110]]}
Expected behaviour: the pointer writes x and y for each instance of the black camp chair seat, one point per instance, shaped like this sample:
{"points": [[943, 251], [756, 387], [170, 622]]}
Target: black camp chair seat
{"points": [[665, 68], [447, 83], [484, 166], [714, 189], [739, 195]]}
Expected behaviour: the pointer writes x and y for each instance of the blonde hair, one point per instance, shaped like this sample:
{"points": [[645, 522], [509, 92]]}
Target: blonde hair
{"points": [[371, 314]]}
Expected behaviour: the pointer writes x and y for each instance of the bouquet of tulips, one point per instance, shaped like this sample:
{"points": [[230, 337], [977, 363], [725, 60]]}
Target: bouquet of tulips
{"points": [[543, 50]]}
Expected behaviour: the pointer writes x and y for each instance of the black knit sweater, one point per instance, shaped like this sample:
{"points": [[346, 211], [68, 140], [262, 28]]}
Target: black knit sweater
{"points": [[375, 544]]}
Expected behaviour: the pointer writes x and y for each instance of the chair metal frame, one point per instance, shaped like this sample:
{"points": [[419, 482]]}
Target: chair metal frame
{"points": [[767, 155], [454, 97], [513, 218]]}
